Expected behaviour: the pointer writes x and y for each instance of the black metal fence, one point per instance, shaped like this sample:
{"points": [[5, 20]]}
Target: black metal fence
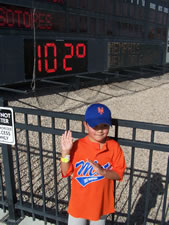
{"points": [[31, 182]]}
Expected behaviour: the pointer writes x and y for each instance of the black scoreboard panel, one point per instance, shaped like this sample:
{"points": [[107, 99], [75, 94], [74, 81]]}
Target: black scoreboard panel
{"points": [[111, 18], [128, 54], [54, 57], [50, 38], [21, 56]]}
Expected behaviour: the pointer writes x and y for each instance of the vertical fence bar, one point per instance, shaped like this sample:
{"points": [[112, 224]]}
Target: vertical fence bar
{"points": [[112, 220], [29, 165], [67, 124], [10, 182], [148, 179], [116, 138], [131, 177], [165, 195], [55, 171], [2, 189], [69, 178], [42, 172], [19, 177], [83, 128]]}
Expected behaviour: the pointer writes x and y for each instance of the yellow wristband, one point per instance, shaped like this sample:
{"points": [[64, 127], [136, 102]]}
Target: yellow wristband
{"points": [[65, 159]]}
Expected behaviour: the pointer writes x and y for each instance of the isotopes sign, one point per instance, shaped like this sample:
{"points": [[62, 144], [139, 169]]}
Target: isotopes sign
{"points": [[7, 133]]}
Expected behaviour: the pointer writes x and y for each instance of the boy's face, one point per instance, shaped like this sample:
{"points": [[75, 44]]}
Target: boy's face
{"points": [[97, 134]]}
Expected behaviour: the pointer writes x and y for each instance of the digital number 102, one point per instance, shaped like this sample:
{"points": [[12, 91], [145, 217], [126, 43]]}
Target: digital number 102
{"points": [[46, 59]]}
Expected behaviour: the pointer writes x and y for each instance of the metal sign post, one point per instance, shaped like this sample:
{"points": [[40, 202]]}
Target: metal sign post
{"points": [[7, 138], [7, 131]]}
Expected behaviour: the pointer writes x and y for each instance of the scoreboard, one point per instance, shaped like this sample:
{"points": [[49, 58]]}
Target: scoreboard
{"points": [[55, 57], [34, 40], [129, 54], [50, 38]]}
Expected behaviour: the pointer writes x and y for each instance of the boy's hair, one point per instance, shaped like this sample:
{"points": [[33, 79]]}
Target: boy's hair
{"points": [[98, 114]]}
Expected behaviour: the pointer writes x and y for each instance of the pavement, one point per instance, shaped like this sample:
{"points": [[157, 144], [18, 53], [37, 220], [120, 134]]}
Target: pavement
{"points": [[25, 221]]}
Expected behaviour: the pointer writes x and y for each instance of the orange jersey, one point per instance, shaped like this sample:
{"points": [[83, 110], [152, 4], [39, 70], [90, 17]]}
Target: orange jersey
{"points": [[92, 195]]}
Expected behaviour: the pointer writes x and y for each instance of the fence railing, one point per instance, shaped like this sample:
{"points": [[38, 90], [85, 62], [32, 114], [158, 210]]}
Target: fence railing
{"points": [[30, 177]]}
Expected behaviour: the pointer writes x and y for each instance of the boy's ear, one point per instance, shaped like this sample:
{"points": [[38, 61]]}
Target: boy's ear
{"points": [[85, 124]]}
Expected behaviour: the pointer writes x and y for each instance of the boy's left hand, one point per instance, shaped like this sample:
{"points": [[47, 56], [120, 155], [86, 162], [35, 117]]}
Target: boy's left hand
{"points": [[96, 167], [107, 173]]}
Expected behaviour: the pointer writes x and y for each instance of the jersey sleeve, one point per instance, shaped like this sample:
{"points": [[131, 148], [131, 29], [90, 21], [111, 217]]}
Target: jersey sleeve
{"points": [[118, 162], [69, 172]]}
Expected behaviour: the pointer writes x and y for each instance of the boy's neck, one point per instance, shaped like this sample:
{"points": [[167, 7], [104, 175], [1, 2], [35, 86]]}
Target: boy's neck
{"points": [[100, 143]]}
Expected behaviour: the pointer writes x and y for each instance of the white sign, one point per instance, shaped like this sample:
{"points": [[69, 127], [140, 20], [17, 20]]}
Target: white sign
{"points": [[7, 131]]}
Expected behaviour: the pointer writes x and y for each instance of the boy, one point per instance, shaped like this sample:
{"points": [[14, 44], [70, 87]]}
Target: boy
{"points": [[95, 162]]}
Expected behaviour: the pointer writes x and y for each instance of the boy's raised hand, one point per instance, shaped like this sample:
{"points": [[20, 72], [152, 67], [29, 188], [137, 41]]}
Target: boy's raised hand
{"points": [[66, 143]]}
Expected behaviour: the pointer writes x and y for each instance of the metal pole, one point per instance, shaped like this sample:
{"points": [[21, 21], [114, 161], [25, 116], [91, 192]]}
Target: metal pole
{"points": [[9, 178], [10, 183], [165, 195]]}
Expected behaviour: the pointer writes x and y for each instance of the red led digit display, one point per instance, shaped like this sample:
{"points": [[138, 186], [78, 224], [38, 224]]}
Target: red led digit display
{"points": [[55, 57], [68, 56], [46, 53]]}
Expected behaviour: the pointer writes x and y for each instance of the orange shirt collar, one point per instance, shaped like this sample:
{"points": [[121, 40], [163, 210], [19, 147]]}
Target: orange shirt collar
{"points": [[97, 145]]}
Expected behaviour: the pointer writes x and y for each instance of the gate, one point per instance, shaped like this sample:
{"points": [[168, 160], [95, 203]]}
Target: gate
{"points": [[30, 177]]}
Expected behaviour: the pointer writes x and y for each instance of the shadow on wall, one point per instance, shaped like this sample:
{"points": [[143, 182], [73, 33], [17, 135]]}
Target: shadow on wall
{"points": [[156, 188]]}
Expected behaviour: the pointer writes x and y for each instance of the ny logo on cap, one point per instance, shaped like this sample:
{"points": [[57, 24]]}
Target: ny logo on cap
{"points": [[100, 110]]}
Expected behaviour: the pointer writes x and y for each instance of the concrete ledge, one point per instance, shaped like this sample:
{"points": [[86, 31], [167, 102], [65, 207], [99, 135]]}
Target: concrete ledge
{"points": [[29, 220], [3, 217], [26, 220]]}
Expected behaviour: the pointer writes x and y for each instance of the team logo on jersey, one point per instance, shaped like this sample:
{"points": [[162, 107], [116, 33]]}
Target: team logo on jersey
{"points": [[86, 173]]}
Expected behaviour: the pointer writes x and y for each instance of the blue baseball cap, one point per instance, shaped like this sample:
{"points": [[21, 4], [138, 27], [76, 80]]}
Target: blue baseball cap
{"points": [[97, 114]]}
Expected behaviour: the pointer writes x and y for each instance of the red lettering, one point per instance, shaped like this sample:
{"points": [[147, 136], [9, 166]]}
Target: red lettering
{"points": [[68, 45], [44, 21], [2, 18], [41, 21], [58, 1], [48, 19], [50, 45], [83, 46], [18, 13], [10, 18], [27, 19]]}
